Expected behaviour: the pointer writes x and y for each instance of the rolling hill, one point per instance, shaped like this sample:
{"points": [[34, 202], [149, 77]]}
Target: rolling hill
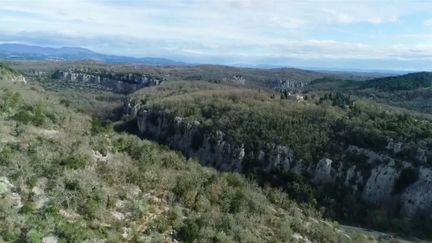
{"points": [[29, 52], [411, 91]]}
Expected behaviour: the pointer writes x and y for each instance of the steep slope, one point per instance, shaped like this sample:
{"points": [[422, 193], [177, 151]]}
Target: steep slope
{"points": [[325, 148], [67, 177]]}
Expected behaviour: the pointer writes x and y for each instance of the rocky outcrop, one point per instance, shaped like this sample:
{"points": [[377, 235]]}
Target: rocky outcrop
{"points": [[50, 239], [379, 186], [323, 172], [288, 85], [130, 110], [416, 199], [19, 79], [113, 81], [378, 180], [189, 137], [38, 193], [235, 79], [9, 75], [210, 148]]}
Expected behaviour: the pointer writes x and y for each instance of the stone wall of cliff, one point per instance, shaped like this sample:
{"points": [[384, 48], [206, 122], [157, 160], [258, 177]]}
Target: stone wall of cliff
{"points": [[113, 81], [402, 188]]}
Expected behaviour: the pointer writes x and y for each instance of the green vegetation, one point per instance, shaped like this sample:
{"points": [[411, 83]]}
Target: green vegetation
{"points": [[311, 128], [6, 71], [66, 173], [13, 107], [263, 78], [71, 177], [412, 91], [324, 125], [405, 82]]}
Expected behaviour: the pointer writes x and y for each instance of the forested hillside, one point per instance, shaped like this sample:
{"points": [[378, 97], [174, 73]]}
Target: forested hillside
{"points": [[412, 91], [349, 156], [66, 177]]}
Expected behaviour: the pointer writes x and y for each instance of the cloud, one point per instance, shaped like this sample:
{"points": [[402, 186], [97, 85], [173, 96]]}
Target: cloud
{"points": [[428, 22], [227, 30], [366, 16], [287, 22]]}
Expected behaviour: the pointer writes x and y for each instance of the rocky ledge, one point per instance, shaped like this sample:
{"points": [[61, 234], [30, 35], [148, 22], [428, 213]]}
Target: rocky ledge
{"points": [[114, 81]]}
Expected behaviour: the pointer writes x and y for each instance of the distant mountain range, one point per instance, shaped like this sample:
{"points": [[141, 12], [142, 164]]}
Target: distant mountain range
{"points": [[30, 52]]}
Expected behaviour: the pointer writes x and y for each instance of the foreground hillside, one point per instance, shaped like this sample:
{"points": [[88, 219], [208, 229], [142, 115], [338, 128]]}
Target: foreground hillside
{"points": [[357, 160], [68, 178]]}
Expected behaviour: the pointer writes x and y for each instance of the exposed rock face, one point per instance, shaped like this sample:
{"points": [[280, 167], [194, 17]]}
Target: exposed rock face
{"points": [[113, 81], [50, 239], [395, 147], [130, 110], [236, 79], [379, 186], [417, 198], [372, 181], [11, 76], [189, 138], [38, 191], [288, 85], [323, 172], [19, 79], [280, 157], [212, 149]]}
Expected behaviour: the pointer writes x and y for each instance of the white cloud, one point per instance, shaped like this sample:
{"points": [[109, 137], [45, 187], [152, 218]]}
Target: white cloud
{"points": [[288, 22], [366, 16], [232, 28], [331, 49], [428, 22]]}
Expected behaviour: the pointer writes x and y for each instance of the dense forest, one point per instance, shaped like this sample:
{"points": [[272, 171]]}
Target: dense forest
{"points": [[411, 91]]}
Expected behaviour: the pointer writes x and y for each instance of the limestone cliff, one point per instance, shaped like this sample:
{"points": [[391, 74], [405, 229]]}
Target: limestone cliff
{"points": [[113, 81], [400, 187], [288, 85]]}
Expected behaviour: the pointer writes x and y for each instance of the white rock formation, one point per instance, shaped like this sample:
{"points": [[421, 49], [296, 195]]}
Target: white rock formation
{"points": [[50, 239], [323, 172], [39, 197]]}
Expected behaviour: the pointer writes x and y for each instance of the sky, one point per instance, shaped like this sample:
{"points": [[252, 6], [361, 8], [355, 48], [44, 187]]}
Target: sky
{"points": [[332, 34]]}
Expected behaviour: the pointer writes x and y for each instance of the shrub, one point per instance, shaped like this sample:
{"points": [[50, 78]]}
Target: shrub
{"points": [[73, 162], [34, 236], [189, 231], [99, 126], [23, 116], [65, 102]]}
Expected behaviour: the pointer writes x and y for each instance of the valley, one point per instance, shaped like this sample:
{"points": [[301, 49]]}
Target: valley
{"points": [[211, 153]]}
